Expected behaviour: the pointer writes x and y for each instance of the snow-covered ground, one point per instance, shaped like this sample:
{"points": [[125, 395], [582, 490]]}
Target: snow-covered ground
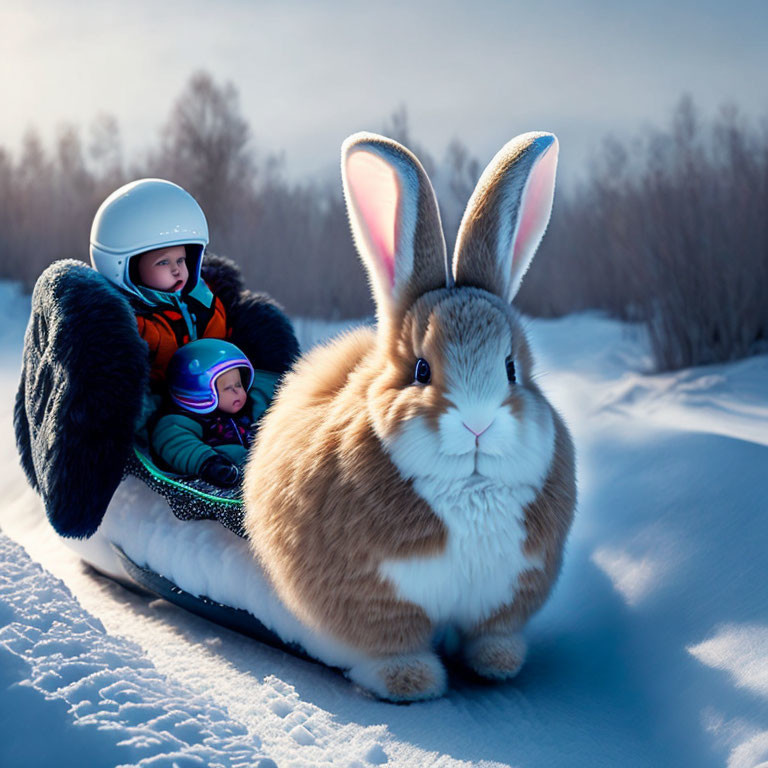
{"points": [[653, 650]]}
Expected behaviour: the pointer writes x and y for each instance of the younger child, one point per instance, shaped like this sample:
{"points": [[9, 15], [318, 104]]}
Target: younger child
{"points": [[148, 238], [217, 399]]}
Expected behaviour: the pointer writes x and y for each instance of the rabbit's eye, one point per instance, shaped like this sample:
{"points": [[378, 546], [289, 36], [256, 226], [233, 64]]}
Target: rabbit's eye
{"points": [[421, 372], [511, 369]]}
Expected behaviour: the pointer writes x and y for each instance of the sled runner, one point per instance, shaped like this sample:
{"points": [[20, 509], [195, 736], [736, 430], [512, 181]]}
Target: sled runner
{"points": [[235, 619]]}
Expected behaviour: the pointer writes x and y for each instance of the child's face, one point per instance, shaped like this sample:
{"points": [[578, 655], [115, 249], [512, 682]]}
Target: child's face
{"points": [[232, 394], [164, 269]]}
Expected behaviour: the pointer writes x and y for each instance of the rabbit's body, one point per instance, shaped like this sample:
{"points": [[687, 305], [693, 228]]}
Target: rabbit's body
{"points": [[414, 475], [318, 526]]}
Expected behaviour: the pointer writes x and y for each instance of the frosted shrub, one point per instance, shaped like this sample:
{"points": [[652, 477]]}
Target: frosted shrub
{"points": [[671, 230]]}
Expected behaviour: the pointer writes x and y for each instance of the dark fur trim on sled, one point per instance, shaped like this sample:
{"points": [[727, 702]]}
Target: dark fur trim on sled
{"points": [[84, 374], [259, 325], [224, 278], [262, 330]]}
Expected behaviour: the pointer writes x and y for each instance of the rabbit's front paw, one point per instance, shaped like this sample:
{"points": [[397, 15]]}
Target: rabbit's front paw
{"points": [[406, 677], [496, 656]]}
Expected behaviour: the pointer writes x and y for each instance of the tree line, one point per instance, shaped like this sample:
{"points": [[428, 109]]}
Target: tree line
{"points": [[668, 229]]}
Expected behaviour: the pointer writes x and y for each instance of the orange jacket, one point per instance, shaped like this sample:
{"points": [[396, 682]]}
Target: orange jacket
{"points": [[165, 331]]}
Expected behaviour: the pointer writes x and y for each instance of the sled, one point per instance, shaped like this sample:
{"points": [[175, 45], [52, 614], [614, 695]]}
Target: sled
{"points": [[173, 536]]}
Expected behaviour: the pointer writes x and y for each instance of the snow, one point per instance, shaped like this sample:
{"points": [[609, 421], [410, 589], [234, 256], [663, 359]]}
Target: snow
{"points": [[652, 651], [106, 681]]}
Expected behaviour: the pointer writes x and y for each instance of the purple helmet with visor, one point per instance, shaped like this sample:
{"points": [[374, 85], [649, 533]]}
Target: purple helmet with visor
{"points": [[194, 368]]}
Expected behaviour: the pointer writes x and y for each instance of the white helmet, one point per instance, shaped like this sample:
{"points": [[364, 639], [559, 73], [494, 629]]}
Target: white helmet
{"points": [[141, 216]]}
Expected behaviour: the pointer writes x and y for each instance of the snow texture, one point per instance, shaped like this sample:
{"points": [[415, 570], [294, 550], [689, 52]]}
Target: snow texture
{"points": [[106, 681], [652, 651]]}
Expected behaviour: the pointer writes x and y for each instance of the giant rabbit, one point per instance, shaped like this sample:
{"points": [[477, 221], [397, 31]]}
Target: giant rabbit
{"points": [[413, 476]]}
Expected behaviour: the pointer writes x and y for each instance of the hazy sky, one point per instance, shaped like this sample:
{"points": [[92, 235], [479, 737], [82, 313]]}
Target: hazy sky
{"points": [[309, 74]]}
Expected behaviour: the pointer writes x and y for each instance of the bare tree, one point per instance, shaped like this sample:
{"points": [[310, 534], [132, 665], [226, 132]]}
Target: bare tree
{"points": [[33, 240], [455, 180], [206, 149], [105, 151], [398, 127]]}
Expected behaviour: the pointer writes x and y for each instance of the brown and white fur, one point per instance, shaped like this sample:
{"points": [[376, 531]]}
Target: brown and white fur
{"points": [[383, 508]]}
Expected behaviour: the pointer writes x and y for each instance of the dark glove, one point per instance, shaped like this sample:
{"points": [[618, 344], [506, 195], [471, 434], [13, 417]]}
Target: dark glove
{"points": [[218, 471]]}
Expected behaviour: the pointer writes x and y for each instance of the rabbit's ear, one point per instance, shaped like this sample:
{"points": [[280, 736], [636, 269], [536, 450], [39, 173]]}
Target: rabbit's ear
{"points": [[507, 215], [395, 220]]}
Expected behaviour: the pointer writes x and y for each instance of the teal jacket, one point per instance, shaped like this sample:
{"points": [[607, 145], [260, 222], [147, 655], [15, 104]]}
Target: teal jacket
{"points": [[184, 440]]}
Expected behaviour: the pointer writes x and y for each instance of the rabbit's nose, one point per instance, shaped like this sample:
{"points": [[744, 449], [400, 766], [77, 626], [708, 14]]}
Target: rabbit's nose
{"points": [[475, 429]]}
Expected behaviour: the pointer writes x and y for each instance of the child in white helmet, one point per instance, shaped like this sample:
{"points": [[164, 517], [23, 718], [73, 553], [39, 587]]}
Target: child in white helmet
{"points": [[148, 238]]}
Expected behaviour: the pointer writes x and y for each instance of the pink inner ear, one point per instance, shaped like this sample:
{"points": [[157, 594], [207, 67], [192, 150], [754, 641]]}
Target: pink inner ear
{"points": [[373, 185], [536, 207]]}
